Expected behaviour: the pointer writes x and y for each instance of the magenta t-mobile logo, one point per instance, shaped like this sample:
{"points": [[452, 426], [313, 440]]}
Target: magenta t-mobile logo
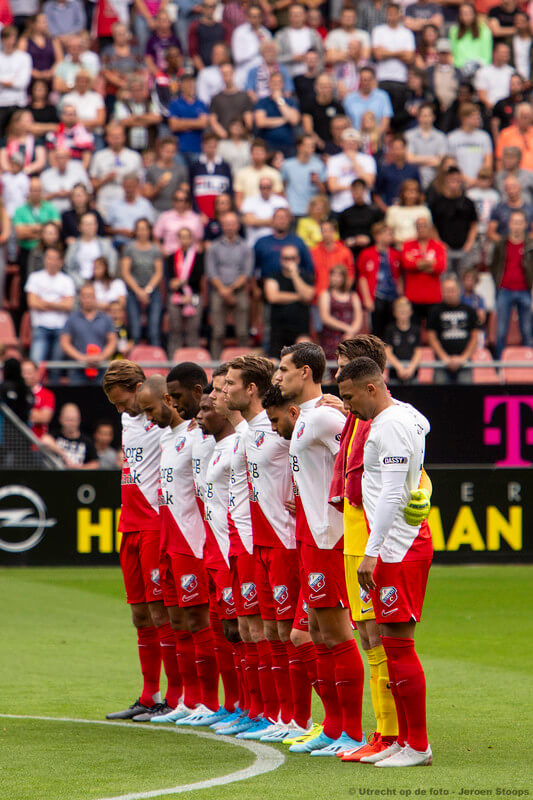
{"points": [[511, 428]]}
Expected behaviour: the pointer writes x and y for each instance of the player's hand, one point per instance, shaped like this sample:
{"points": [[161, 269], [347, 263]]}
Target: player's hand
{"points": [[290, 505], [418, 507], [332, 401], [365, 573]]}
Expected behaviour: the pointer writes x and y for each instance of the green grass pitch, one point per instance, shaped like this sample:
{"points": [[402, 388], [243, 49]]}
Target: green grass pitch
{"points": [[69, 651]]}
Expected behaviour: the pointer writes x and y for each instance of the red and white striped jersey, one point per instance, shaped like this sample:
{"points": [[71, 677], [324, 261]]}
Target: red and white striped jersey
{"points": [[140, 474], [239, 520], [216, 501], [313, 447], [267, 455], [182, 528], [202, 450]]}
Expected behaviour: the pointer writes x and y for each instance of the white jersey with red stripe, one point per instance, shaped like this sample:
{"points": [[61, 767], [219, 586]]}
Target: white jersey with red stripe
{"points": [[239, 520], [314, 444], [202, 450], [267, 455], [395, 445], [140, 474], [217, 495], [182, 528]]}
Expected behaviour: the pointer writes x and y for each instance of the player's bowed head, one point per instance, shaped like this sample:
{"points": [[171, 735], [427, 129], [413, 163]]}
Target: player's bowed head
{"points": [[185, 385], [120, 383], [156, 403], [362, 388]]}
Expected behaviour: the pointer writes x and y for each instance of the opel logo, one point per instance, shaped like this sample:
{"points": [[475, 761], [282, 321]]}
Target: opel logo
{"points": [[25, 512]]}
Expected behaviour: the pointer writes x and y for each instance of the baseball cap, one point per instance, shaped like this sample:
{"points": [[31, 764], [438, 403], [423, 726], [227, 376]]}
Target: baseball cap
{"points": [[443, 46], [351, 133]]}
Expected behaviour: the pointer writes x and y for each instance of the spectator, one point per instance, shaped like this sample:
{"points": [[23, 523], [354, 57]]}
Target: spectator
{"points": [[512, 270], [289, 293], [436, 187], [258, 80], [401, 218], [45, 118], [368, 98], [180, 216], [183, 274], [338, 125], [356, 221], [346, 167], [276, 118], [519, 134], [315, 21], [378, 268], [44, 401], [393, 47], [391, 175], [417, 94], [246, 41], [470, 297], [65, 71], [521, 45], [44, 51], [371, 137], [339, 39], [485, 200], [470, 146], [229, 104], [318, 114], [229, 267], [51, 296], [21, 11], [204, 33], [304, 84], [161, 39], [427, 55], [493, 81], [210, 176], [83, 251], [108, 457], [210, 81], [70, 444], [118, 318], [422, 13], [371, 13], [119, 61], [79, 205], [308, 227], [89, 105], [501, 20], [328, 254], [137, 112], [501, 214], [21, 140], [303, 176], [144, 21], [248, 178], [425, 144], [452, 333], [88, 336], [108, 290], [257, 212], [59, 181], [402, 339], [511, 158], [124, 214], [470, 39], [109, 167], [142, 271], [423, 262], [15, 184], [50, 237], [340, 311], [14, 392], [296, 39], [164, 177], [443, 79], [15, 69], [213, 230], [268, 248], [503, 113], [71, 135], [28, 221], [64, 17], [235, 150], [188, 118]]}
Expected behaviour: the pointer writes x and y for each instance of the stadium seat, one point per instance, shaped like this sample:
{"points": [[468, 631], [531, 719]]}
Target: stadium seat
{"points": [[425, 374], [25, 334], [146, 352], [513, 338], [8, 337], [234, 352], [197, 354], [484, 374], [518, 374]]}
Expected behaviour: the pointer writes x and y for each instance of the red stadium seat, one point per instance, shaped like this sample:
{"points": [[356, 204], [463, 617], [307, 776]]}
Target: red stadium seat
{"points": [[484, 374], [425, 374], [234, 352], [197, 354], [518, 374], [146, 352], [25, 331], [8, 337]]}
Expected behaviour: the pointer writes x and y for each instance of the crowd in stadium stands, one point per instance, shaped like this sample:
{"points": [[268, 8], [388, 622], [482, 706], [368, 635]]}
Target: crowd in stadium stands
{"points": [[259, 172]]}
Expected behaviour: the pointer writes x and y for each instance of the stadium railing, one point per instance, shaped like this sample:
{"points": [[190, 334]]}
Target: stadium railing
{"points": [[20, 449]]}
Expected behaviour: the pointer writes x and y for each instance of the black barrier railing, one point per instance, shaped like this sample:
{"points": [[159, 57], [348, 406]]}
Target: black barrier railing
{"points": [[77, 365]]}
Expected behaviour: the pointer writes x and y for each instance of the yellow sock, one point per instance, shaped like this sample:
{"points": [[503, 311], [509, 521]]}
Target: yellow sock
{"points": [[373, 662], [387, 706]]}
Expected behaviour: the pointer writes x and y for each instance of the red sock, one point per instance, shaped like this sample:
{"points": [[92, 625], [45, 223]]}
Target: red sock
{"points": [[266, 681], [328, 691], [252, 680], [280, 670], [238, 660], [301, 687], [410, 684], [308, 658], [206, 666], [167, 642], [226, 667], [402, 721], [349, 679], [192, 692], [150, 658]]}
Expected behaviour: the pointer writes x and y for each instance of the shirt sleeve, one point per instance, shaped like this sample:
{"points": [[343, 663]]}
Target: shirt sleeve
{"points": [[387, 506], [328, 428]]}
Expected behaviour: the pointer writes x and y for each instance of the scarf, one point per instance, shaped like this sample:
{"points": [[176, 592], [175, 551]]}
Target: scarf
{"points": [[348, 469], [27, 149]]}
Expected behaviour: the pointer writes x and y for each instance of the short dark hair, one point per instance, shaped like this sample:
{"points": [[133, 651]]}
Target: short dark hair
{"points": [[360, 369], [254, 369], [189, 374], [364, 345], [399, 137], [273, 398], [358, 182], [307, 354], [222, 369]]}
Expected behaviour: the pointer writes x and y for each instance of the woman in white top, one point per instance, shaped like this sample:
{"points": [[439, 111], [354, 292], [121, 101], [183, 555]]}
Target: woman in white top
{"points": [[83, 252], [235, 150], [107, 289], [401, 218]]}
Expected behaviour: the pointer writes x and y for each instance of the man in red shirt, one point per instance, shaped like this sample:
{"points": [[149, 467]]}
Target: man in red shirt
{"points": [[512, 270], [45, 401], [328, 254], [423, 261], [378, 268]]}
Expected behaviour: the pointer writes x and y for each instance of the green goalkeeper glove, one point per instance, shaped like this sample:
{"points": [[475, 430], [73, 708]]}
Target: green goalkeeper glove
{"points": [[418, 507]]}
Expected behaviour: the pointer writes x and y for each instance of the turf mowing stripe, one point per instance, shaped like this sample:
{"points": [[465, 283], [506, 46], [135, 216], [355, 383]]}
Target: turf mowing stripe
{"points": [[267, 758]]}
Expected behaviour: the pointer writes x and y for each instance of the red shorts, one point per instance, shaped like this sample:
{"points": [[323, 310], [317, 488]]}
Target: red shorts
{"points": [[400, 591], [301, 618], [324, 582], [244, 587], [277, 580], [166, 580], [190, 580], [221, 593], [139, 560]]}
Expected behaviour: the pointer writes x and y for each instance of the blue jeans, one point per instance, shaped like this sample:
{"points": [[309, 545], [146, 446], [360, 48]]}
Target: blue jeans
{"points": [[153, 313], [45, 347], [504, 305]]}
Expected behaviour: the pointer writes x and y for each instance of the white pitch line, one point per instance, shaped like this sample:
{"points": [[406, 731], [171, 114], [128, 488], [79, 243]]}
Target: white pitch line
{"points": [[267, 758]]}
